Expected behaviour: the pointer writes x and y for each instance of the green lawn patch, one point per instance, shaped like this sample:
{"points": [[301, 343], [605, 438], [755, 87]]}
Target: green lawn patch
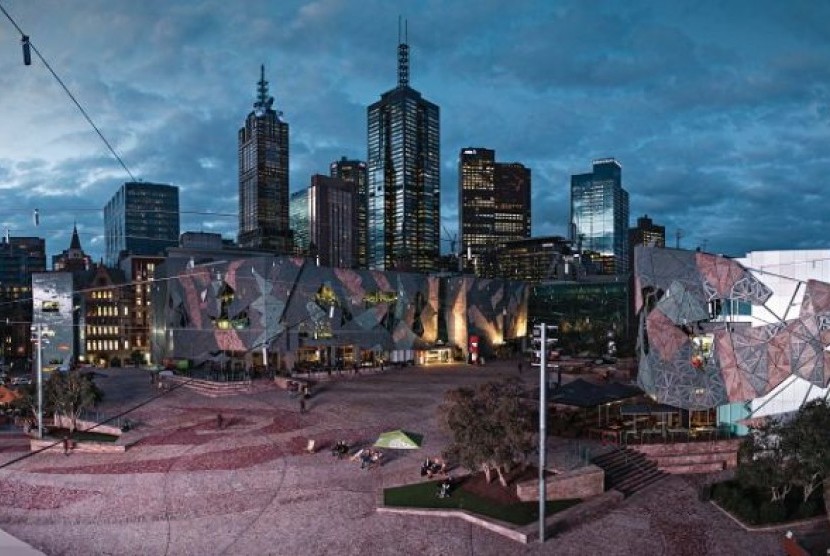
{"points": [[423, 495], [83, 436], [754, 507]]}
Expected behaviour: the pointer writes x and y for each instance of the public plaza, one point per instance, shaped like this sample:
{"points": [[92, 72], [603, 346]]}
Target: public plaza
{"points": [[185, 486]]}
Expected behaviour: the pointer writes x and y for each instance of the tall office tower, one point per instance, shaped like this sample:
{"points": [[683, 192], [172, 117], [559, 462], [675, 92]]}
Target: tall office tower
{"points": [[142, 218], [404, 178], [494, 201], [263, 177], [353, 172], [599, 216], [328, 220]]}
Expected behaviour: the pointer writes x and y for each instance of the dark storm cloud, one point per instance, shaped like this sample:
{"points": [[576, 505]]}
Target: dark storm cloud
{"points": [[718, 112]]}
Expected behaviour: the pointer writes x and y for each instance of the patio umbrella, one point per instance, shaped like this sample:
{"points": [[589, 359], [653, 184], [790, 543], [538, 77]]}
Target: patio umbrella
{"points": [[400, 440]]}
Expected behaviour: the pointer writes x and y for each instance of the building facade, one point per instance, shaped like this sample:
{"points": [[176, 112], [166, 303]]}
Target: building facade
{"points": [[19, 258], [493, 201], [599, 215], [104, 301], [404, 178], [533, 260], [138, 272], [333, 221], [142, 218], [299, 215], [287, 311], [353, 173], [263, 177]]}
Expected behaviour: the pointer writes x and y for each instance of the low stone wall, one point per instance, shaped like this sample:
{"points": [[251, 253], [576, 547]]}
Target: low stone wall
{"points": [[692, 457], [66, 423], [583, 482]]}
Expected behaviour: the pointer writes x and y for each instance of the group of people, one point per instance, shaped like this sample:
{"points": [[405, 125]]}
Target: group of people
{"points": [[433, 467], [368, 458], [340, 449]]}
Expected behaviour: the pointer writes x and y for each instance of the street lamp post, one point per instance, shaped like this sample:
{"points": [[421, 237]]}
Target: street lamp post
{"points": [[540, 358], [39, 380]]}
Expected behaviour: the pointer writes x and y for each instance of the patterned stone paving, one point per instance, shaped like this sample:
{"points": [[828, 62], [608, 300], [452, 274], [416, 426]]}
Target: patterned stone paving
{"points": [[187, 487]]}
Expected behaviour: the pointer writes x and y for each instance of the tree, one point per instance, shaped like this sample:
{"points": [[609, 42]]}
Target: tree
{"points": [[781, 455], [763, 463], [71, 393], [806, 439], [491, 427], [27, 402]]}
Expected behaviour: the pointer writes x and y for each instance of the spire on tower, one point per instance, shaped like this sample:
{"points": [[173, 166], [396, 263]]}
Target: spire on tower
{"points": [[403, 55], [75, 242], [263, 102]]}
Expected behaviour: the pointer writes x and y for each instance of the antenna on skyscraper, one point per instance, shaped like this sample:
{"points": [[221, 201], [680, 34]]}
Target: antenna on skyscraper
{"points": [[403, 55]]}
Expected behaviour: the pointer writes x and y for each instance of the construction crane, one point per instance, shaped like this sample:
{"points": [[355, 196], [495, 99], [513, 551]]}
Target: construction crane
{"points": [[452, 239]]}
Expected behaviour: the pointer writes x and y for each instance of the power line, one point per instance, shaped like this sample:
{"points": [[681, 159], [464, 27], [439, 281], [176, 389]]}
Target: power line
{"points": [[27, 42]]}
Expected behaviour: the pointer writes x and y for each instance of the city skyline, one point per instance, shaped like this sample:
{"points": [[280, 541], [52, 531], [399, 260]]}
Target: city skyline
{"points": [[693, 100]]}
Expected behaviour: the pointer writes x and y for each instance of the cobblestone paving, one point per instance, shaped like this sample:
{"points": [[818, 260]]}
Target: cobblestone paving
{"points": [[187, 487]]}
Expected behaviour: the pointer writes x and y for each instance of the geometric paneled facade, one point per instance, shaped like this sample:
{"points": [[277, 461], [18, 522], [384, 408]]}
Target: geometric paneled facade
{"points": [[277, 305], [690, 358]]}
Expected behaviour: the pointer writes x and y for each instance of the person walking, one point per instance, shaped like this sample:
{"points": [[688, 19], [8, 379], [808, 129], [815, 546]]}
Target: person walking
{"points": [[66, 445], [302, 404], [220, 421], [520, 366]]}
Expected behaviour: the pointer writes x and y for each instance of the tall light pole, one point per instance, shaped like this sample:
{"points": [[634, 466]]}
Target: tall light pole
{"points": [[540, 358]]}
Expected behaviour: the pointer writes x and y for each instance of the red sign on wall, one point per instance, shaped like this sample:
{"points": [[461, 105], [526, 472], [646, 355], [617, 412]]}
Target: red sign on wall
{"points": [[473, 348]]}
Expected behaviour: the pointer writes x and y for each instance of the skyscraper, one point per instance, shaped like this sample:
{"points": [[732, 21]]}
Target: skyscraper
{"points": [[493, 200], [263, 177], [353, 173], [404, 178], [599, 215], [142, 218]]}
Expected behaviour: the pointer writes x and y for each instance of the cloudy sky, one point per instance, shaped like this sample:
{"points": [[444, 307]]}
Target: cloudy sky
{"points": [[717, 111]]}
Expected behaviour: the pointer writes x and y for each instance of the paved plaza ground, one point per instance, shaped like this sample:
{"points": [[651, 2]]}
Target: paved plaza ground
{"points": [[186, 487]]}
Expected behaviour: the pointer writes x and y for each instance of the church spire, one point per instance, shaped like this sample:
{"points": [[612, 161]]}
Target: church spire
{"points": [[263, 102], [75, 243]]}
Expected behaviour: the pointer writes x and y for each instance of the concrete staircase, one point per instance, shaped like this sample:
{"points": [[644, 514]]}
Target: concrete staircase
{"points": [[210, 388], [627, 470]]}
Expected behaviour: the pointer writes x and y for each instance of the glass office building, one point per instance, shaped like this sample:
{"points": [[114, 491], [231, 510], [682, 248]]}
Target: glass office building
{"points": [[142, 218], [599, 216], [404, 178]]}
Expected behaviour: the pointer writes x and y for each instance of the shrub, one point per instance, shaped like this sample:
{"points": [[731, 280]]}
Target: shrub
{"points": [[771, 512], [811, 508]]}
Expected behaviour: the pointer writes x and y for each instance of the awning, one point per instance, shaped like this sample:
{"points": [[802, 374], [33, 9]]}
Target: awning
{"points": [[581, 393]]}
